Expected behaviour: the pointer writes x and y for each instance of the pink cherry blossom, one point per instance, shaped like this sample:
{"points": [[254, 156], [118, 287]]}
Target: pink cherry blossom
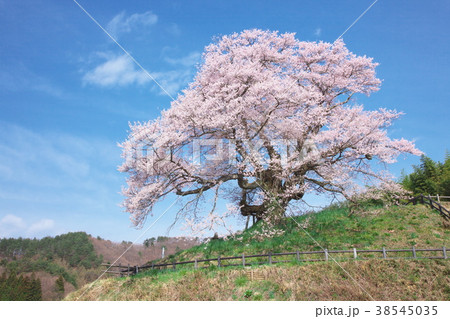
{"points": [[283, 113]]}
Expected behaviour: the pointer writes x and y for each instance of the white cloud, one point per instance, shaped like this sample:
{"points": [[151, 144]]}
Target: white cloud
{"points": [[43, 225], [12, 221], [122, 71], [15, 226], [123, 24], [116, 71], [318, 32]]}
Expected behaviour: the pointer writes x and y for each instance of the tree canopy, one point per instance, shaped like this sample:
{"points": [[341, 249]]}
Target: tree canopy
{"points": [[20, 288], [429, 177], [266, 120]]}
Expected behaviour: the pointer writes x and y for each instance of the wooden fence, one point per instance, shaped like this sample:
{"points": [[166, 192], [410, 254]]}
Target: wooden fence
{"points": [[440, 198], [426, 200], [298, 256]]}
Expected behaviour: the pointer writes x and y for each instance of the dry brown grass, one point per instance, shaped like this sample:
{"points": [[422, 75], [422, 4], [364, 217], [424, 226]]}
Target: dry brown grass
{"points": [[382, 279]]}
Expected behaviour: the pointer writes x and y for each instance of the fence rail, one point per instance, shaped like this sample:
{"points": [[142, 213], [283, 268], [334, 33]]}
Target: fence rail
{"points": [[439, 197], [272, 258], [426, 200]]}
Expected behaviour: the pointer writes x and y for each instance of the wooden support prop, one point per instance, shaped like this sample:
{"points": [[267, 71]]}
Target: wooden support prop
{"points": [[270, 258], [414, 252], [355, 253], [218, 262], [384, 253], [326, 254], [243, 260], [298, 255], [444, 251]]}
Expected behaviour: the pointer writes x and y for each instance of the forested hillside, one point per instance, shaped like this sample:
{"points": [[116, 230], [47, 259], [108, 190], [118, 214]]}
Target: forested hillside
{"points": [[61, 264], [69, 259], [74, 248], [23, 288]]}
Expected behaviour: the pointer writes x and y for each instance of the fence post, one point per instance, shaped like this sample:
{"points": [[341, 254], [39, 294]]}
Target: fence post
{"points": [[326, 254], [218, 262], [444, 251], [414, 252], [384, 252], [270, 258], [153, 265], [355, 254], [137, 269], [173, 265], [243, 260], [195, 263], [298, 256], [439, 201], [128, 270]]}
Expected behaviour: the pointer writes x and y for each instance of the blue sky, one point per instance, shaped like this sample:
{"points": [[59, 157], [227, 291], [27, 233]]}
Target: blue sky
{"points": [[67, 92]]}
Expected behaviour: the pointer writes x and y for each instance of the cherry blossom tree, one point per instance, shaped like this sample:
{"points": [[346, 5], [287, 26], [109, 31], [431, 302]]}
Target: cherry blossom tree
{"points": [[267, 119]]}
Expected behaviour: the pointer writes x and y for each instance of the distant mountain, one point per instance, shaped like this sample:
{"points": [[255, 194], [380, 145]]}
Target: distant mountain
{"points": [[63, 263]]}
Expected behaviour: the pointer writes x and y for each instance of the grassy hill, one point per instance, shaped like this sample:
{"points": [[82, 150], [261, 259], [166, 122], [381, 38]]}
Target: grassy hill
{"points": [[333, 228]]}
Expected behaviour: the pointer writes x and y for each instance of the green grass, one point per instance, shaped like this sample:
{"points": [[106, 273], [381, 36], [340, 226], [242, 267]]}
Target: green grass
{"points": [[335, 228], [240, 281]]}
